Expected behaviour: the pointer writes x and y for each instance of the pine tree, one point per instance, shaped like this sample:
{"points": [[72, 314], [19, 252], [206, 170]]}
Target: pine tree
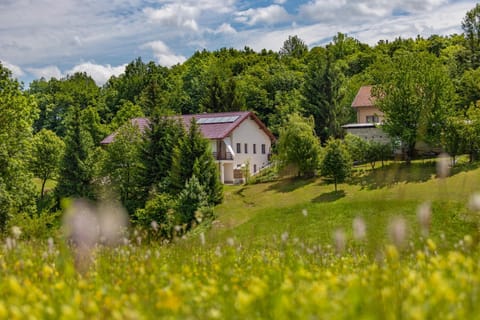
{"points": [[193, 156], [160, 139], [76, 171], [322, 96]]}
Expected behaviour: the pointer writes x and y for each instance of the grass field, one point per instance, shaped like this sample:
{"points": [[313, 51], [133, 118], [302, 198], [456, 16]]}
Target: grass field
{"points": [[280, 250]]}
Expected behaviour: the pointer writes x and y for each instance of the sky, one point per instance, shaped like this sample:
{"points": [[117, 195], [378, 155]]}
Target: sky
{"points": [[53, 38]]}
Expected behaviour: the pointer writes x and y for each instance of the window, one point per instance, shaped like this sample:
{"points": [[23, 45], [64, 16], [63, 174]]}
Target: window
{"points": [[254, 168], [239, 148], [246, 147], [372, 119], [263, 149], [254, 148]]}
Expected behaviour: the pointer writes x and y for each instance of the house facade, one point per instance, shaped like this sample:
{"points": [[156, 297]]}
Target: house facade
{"points": [[239, 141], [369, 117]]}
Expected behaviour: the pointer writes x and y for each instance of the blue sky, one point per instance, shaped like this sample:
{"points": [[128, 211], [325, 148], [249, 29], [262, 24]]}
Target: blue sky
{"points": [[53, 38]]}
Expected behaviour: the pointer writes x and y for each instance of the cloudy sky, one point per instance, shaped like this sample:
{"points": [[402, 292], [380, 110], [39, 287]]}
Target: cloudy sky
{"points": [[53, 38]]}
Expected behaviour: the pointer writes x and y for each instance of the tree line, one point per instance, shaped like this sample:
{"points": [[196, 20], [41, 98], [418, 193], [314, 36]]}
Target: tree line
{"points": [[428, 87]]}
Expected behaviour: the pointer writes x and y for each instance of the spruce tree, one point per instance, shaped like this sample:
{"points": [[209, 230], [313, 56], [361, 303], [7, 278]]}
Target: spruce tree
{"points": [[76, 171], [193, 156], [163, 134]]}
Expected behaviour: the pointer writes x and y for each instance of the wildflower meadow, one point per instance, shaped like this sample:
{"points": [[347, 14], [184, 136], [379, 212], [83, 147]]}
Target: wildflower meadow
{"points": [[406, 250]]}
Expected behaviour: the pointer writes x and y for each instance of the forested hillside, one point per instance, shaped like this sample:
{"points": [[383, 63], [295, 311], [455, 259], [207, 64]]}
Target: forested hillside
{"points": [[63, 120]]}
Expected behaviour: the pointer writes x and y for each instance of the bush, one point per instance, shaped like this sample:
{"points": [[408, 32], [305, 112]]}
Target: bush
{"points": [[36, 226], [158, 216]]}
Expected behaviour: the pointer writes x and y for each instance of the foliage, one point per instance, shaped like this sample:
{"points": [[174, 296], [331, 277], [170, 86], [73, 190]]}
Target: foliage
{"points": [[158, 216], [416, 94], [127, 111], [47, 152], [356, 147], [471, 28], [123, 166], [453, 136], [160, 139], [377, 151], [193, 156], [38, 226], [17, 113], [470, 131], [77, 168], [298, 145], [336, 163], [189, 201], [294, 47], [322, 95]]}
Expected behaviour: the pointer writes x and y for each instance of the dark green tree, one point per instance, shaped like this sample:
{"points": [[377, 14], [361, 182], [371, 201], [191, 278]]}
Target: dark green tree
{"points": [[193, 155], [161, 137], [471, 29], [336, 163], [322, 95], [77, 168]]}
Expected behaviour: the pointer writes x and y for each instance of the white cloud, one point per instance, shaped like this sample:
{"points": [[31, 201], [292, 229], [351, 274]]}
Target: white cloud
{"points": [[163, 53], [226, 28], [177, 15], [333, 11], [99, 73], [46, 72], [279, 1], [17, 72], [268, 15]]}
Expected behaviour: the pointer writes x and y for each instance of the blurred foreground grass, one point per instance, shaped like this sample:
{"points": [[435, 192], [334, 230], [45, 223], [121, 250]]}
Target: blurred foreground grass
{"points": [[281, 250]]}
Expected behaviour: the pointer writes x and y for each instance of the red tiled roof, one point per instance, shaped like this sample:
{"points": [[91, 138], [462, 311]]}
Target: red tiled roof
{"points": [[209, 130], [364, 98]]}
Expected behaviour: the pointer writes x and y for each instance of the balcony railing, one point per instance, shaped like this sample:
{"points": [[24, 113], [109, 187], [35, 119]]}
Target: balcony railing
{"points": [[222, 155]]}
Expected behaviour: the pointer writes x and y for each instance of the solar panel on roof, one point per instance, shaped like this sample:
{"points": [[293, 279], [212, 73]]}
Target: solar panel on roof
{"points": [[217, 120]]}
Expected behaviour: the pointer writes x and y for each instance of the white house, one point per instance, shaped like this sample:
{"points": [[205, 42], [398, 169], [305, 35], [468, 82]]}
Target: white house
{"points": [[238, 139]]}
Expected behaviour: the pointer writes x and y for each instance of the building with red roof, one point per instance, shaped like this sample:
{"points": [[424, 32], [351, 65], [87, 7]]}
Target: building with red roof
{"points": [[238, 139], [364, 104], [369, 117]]}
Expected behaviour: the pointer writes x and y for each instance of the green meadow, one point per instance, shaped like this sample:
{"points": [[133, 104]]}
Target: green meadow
{"points": [[287, 249]]}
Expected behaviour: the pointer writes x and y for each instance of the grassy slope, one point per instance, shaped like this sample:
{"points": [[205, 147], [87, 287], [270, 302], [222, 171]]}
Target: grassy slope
{"points": [[254, 214]]}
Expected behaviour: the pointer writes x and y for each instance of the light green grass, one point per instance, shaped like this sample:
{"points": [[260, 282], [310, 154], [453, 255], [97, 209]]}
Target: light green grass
{"points": [[49, 185], [255, 213]]}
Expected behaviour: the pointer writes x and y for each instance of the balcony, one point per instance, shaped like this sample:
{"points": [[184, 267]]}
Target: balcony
{"points": [[225, 155]]}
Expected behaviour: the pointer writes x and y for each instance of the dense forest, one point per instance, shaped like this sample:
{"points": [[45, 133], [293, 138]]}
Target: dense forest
{"points": [[52, 129]]}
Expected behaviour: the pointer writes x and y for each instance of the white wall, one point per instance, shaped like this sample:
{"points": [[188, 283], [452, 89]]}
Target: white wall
{"points": [[249, 132]]}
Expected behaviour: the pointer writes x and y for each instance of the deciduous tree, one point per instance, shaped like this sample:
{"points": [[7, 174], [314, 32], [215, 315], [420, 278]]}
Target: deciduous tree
{"points": [[17, 113], [298, 145], [336, 163], [416, 95], [47, 152]]}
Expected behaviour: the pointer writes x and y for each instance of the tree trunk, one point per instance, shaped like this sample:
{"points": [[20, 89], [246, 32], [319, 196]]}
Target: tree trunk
{"points": [[335, 180], [43, 188]]}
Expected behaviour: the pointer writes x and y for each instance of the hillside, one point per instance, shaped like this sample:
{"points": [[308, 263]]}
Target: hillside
{"points": [[312, 211]]}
